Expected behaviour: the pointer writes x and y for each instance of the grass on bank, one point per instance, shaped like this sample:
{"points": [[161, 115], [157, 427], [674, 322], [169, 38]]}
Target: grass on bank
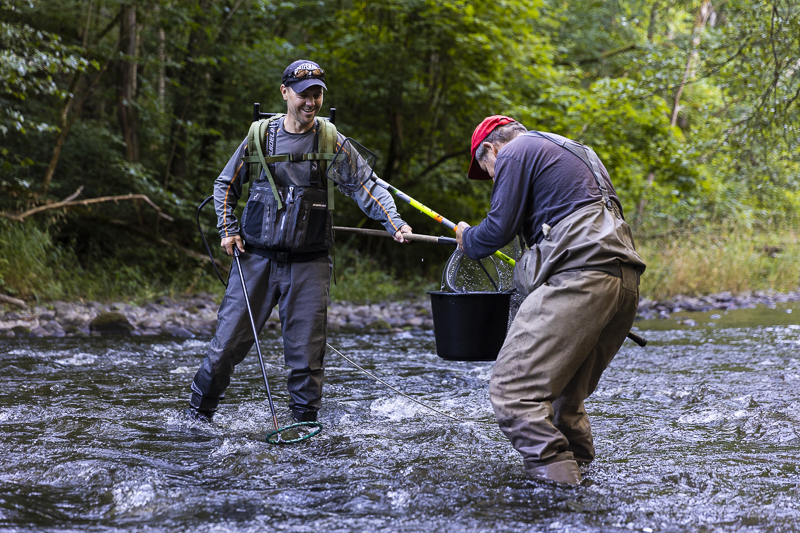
{"points": [[35, 268], [707, 262]]}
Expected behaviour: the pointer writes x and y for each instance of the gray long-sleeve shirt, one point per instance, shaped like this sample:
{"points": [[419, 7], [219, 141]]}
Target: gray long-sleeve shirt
{"points": [[376, 202], [536, 182]]}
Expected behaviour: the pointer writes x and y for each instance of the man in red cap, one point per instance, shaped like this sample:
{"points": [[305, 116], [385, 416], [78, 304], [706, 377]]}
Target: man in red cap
{"points": [[581, 282]]}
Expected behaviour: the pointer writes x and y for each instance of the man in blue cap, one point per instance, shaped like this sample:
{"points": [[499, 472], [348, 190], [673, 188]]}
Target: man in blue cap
{"points": [[287, 229]]}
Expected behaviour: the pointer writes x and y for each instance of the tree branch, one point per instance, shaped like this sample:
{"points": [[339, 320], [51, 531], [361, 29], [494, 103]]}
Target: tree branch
{"points": [[603, 55], [12, 301], [68, 202], [439, 161]]}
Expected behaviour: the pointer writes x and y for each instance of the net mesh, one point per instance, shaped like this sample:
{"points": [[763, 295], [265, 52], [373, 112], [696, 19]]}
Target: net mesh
{"points": [[351, 166], [462, 274]]}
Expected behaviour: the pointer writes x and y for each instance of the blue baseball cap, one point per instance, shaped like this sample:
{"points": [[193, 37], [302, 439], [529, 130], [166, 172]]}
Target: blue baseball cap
{"points": [[303, 74]]}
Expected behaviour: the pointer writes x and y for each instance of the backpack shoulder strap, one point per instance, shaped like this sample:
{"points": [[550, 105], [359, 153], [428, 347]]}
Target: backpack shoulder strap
{"points": [[327, 149], [256, 141]]}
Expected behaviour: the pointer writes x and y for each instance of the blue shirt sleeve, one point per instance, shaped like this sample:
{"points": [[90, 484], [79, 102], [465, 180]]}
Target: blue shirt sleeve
{"points": [[506, 215]]}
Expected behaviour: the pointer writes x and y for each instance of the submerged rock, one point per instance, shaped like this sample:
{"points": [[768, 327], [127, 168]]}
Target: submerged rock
{"points": [[379, 324]]}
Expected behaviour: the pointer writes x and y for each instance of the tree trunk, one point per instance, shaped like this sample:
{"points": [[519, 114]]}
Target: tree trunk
{"points": [[187, 87], [126, 91], [162, 62], [395, 156], [699, 24], [71, 105], [651, 26], [651, 178]]}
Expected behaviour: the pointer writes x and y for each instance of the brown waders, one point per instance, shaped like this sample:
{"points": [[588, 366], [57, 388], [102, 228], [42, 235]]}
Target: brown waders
{"points": [[563, 337]]}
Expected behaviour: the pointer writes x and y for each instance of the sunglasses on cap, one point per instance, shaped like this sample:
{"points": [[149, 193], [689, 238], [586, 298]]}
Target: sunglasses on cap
{"points": [[301, 73]]}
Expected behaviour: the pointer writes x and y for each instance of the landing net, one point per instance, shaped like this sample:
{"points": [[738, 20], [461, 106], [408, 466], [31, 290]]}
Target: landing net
{"points": [[464, 275], [351, 166], [293, 433]]}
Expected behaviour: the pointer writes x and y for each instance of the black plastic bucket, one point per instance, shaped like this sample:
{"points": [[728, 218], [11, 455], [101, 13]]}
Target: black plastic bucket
{"points": [[470, 326]]}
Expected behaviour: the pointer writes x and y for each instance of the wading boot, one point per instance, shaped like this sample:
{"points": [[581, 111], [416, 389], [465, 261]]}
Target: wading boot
{"points": [[560, 471], [201, 409], [199, 415], [301, 415]]}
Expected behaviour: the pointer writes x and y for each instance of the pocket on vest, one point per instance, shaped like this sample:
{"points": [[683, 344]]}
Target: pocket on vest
{"points": [[319, 226], [253, 217], [257, 223]]}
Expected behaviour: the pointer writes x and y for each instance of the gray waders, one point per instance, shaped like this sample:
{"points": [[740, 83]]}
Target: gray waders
{"points": [[301, 291]]}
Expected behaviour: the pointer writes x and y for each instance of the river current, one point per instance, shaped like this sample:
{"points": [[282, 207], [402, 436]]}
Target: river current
{"points": [[699, 431]]}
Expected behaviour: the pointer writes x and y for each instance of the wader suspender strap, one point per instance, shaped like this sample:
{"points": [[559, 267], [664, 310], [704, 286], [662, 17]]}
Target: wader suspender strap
{"points": [[590, 160]]}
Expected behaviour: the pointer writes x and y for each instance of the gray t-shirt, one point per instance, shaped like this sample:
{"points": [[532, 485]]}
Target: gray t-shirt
{"points": [[376, 202], [294, 173]]}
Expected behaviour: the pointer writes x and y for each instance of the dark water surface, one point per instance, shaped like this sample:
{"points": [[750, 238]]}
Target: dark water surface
{"points": [[700, 431]]}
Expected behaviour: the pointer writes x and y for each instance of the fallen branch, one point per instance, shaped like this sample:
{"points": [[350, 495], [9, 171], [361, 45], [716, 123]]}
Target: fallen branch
{"points": [[12, 301], [70, 201]]}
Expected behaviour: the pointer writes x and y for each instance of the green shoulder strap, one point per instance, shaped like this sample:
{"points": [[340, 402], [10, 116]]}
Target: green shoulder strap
{"points": [[327, 149], [257, 137]]}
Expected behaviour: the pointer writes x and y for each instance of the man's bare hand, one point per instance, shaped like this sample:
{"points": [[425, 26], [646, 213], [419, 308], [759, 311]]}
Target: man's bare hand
{"points": [[399, 235], [460, 233], [229, 242]]}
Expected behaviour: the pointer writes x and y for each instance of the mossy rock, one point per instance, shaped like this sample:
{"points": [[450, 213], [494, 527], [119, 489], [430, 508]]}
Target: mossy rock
{"points": [[111, 324], [21, 330], [379, 324]]}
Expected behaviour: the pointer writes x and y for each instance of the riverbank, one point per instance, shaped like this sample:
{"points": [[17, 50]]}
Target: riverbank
{"points": [[190, 317], [724, 301], [197, 316]]}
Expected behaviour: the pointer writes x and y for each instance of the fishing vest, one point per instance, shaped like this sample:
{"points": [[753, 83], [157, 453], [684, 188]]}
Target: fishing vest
{"points": [[292, 222]]}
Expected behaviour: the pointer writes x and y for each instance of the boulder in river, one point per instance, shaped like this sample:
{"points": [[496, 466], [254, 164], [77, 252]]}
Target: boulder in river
{"points": [[111, 324], [21, 330]]}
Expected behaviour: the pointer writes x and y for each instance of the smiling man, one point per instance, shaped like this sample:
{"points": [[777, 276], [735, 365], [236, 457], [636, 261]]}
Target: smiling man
{"points": [[288, 231]]}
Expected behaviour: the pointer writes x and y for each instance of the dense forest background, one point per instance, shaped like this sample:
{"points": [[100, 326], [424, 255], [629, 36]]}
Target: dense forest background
{"points": [[691, 104]]}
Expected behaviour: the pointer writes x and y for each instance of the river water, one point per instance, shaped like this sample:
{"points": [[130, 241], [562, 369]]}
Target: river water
{"points": [[699, 431]]}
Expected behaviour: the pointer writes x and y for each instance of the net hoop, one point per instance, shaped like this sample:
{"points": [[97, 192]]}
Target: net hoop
{"points": [[274, 437]]}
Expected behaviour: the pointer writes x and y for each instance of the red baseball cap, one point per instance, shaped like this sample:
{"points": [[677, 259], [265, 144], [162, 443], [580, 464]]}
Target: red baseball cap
{"points": [[481, 132]]}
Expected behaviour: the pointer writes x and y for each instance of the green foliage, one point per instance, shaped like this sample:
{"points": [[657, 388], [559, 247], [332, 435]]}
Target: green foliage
{"points": [[158, 111], [361, 279]]}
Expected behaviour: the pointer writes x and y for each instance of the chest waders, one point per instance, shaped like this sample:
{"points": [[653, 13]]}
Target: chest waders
{"points": [[293, 223], [591, 160], [284, 222]]}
